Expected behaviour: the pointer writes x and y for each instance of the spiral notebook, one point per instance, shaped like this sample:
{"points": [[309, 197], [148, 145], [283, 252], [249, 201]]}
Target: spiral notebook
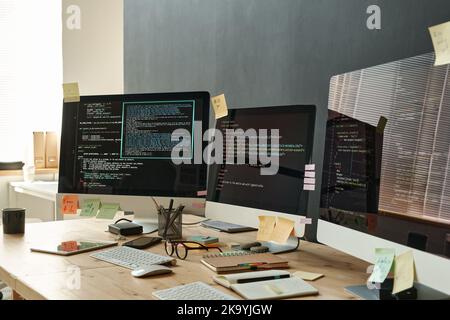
{"points": [[240, 261]]}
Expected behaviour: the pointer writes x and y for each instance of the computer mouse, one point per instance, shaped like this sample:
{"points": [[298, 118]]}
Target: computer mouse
{"points": [[152, 270]]}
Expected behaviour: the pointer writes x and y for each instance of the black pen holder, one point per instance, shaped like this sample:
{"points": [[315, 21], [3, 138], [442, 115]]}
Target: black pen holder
{"points": [[170, 224]]}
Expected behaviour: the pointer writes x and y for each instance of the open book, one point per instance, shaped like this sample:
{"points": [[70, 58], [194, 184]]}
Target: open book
{"points": [[265, 285]]}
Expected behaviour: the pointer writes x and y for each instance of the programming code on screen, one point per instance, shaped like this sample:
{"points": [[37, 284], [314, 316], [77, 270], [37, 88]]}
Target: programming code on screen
{"points": [[148, 126], [243, 184], [124, 147], [351, 165]]}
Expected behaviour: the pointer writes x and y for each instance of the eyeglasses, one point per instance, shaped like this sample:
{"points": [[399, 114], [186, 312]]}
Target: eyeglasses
{"points": [[181, 248]]}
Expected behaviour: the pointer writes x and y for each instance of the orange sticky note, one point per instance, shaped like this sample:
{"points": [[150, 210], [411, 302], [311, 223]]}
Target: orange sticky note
{"points": [[69, 246], [69, 204]]}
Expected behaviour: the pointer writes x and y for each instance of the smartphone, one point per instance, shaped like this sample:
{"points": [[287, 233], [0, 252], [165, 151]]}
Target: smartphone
{"points": [[143, 242]]}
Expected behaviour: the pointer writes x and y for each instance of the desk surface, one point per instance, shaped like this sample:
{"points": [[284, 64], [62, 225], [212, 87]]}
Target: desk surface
{"points": [[44, 276]]}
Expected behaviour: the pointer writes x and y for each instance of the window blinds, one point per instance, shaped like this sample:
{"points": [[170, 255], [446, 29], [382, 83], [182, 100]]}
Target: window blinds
{"points": [[415, 98]]}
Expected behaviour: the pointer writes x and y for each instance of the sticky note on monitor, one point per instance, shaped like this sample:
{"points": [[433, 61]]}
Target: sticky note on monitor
{"points": [[440, 35], [310, 174], [69, 204], [90, 208], [266, 227], [310, 167], [403, 272], [202, 193], [108, 211], [282, 231], [384, 259], [219, 104], [71, 92], [309, 187]]}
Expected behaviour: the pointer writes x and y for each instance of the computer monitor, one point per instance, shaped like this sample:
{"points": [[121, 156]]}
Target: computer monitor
{"points": [[387, 185], [240, 193], [121, 145]]}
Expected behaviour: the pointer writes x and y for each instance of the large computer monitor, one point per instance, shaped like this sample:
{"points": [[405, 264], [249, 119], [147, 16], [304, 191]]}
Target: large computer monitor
{"points": [[390, 187], [121, 145], [239, 193]]}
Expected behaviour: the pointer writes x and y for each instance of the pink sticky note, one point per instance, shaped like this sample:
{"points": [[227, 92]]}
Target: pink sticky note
{"points": [[309, 187], [310, 174], [305, 221], [202, 193], [309, 181], [198, 205], [310, 167]]}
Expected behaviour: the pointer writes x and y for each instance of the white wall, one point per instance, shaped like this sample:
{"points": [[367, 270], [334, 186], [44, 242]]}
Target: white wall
{"points": [[93, 50]]}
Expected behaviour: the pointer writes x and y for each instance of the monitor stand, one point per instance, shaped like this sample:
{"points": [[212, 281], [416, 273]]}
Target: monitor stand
{"points": [[291, 245], [423, 293]]}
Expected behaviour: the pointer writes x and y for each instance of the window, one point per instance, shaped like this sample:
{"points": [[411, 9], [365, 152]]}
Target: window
{"points": [[30, 74]]}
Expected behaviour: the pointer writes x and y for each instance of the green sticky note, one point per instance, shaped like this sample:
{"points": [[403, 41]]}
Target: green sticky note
{"points": [[108, 211], [384, 258], [90, 208]]}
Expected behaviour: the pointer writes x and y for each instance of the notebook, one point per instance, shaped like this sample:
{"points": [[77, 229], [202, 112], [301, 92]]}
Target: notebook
{"points": [[255, 286], [240, 261]]}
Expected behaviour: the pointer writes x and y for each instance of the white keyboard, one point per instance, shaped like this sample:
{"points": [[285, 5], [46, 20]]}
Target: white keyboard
{"points": [[192, 291], [131, 258]]}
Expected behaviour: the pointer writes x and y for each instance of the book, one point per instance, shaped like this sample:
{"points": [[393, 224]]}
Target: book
{"points": [[204, 239], [263, 285], [241, 261]]}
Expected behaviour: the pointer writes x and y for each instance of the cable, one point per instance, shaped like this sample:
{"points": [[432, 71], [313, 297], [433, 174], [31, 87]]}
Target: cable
{"points": [[195, 223], [123, 219]]}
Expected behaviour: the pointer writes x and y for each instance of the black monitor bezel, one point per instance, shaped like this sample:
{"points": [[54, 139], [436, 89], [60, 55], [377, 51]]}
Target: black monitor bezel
{"points": [[309, 109], [68, 126]]}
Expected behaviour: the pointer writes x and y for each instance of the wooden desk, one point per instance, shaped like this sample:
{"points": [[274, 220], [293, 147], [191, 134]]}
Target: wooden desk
{"points": [[45, 276]]}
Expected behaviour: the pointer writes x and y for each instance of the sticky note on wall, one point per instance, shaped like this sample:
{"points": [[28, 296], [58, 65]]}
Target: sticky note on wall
{"points": [[219, 104], [71, 92], [440, 35], [382, 124], [69, 204]]}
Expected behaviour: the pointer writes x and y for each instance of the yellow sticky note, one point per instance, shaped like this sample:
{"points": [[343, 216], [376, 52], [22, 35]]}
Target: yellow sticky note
{"points": [[219, 104], [283, 230], [440, 35], [266, 226], [71, 92], [308, 276], [382, 124], [404, 272]]}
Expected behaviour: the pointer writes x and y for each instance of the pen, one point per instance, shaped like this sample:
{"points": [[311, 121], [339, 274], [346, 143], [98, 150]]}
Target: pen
{"points": [[284, 276]]}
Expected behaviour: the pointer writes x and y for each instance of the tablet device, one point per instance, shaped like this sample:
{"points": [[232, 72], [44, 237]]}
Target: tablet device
{"points": [[71, 247]]}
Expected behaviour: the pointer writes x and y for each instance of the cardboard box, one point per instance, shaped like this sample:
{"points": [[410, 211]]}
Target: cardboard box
{"points": [[51, 150], [39, 149]]}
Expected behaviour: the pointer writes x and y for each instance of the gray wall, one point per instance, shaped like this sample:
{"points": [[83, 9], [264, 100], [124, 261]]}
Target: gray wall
{"points": [[268, 52]]}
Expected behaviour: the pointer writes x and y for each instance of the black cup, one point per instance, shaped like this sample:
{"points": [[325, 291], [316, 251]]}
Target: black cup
{"points": [[13, 221]]}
